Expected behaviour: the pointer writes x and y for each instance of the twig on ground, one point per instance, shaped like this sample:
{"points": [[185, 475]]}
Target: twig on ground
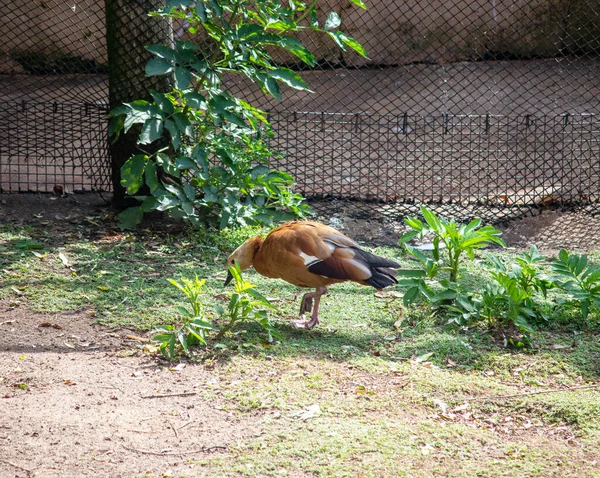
{"points": [[174, 429], [162, 395], [184, 425], [204, 449], [524, 394], [29, 472]]}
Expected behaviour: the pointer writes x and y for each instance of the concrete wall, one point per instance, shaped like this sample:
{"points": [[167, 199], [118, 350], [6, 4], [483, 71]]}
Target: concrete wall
{"points": [[393, 31], [54, 28]]}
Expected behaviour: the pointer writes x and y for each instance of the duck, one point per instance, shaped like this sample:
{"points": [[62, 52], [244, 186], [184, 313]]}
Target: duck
{"points": [[312, 255]]}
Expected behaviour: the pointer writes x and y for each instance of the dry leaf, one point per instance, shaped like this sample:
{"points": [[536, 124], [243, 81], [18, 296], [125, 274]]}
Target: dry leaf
{"points": [[65, 260], [558, 347], [381, 294], [308, 412], [427, 449], [50, 324], [178, 368], [138, 339]]}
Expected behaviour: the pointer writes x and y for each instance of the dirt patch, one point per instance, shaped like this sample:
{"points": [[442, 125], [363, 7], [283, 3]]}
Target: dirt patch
{"points": [[79, 399]]}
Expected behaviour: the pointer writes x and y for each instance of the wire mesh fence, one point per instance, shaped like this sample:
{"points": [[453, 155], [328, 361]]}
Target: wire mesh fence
{"points": [[483, 107], [53, 96]]}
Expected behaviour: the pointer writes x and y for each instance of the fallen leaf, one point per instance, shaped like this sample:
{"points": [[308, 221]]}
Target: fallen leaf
{"points": [[385, 294], [17, 291], [178, 368], [558, 347], [441, 404], [103, 288], [65, 260], [308, 412], [71, 346], [423, 358], [427, 449], [138, 339], [39, 255], [68, 382]]}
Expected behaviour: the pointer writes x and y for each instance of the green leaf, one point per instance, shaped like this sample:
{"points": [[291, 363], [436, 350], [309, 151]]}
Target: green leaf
{"points": [[183, 77], [130, 217], [215, 7], [295, 47], [359, 3], [152, 176], [410, 295], [152, 130], [183, 124], [161, 51], [162, 101], [201, 10], [270, 86], [173, 130], [184, 163], [289, 77], [177, 4], [333, 21], [415, 273], [132, 173], [354, 45], [158, 66], [195, 100]]}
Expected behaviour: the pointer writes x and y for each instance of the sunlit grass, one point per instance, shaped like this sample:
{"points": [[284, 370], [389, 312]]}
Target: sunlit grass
{"points": [[385, 385]]}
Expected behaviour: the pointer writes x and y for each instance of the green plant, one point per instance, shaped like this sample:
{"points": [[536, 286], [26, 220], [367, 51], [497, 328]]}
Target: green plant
{"points": [[193, 329], [499, 304], [455, 239], [525, 270], [579, 278], [214, 166], [243, 305]]}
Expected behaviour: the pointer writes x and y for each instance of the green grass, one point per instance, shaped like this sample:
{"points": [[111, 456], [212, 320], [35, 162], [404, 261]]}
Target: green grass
{"points": [[380, 405]]}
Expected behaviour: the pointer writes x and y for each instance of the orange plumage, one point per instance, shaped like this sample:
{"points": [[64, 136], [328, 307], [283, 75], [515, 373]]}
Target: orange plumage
{"points": [[309, 254]]}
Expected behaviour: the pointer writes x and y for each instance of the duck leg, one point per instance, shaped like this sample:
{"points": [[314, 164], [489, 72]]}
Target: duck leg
{"points": [[307, 305]]}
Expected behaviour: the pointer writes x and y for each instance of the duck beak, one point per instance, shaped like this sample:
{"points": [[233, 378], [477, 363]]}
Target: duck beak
{"points": [[228, 280]]}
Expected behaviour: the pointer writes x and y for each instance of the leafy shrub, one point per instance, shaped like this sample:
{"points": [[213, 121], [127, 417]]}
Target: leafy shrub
{"points": [[450, 242], [579, 279], [508, 299], [215, 166], [194, 327], [455, 239], [244, 304]]}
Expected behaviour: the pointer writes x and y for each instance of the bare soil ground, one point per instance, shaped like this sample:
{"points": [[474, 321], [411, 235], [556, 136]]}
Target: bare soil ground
{"points": [[79, 399], [83, 400]]}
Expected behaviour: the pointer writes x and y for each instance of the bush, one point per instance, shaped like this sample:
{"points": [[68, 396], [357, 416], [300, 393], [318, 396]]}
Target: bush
{"points": [[214, 166]]}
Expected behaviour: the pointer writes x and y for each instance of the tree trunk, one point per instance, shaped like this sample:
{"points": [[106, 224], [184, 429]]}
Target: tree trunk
{"points": [[128, 30]]}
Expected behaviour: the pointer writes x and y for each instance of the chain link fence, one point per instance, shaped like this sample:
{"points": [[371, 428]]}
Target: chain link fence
{"points": [[479, 107]]}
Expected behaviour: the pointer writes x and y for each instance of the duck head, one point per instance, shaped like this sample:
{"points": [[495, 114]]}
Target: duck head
{"points": [[244, 255]]}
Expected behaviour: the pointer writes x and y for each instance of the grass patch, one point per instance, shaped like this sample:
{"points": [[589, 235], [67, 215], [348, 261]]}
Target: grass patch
{"points": [[363, 394]]}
